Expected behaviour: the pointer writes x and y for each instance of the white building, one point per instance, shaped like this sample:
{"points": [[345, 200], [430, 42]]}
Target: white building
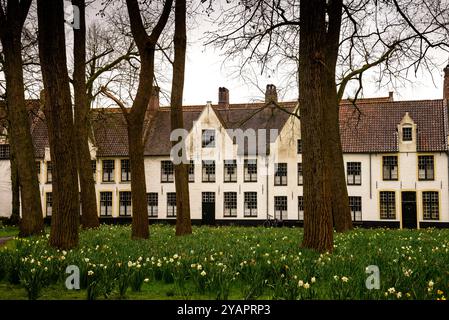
{"points": [[395, 155]]}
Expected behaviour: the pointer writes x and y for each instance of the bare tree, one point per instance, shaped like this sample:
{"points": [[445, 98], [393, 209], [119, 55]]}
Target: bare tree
{"points": [[89, 217], [59, 118], [339, 42], [135, 116], [183, 222], [12, 18]]}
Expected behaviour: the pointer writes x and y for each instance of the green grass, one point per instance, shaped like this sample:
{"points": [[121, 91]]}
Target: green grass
{"points": [[229, 263], [8, 231]]}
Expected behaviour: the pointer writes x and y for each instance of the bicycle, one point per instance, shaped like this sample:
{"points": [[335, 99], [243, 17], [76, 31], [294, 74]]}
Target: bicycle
{"points": [[272, 222]]}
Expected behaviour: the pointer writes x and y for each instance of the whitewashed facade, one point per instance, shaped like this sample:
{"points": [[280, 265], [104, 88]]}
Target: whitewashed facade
{"points": [[402, 188]]}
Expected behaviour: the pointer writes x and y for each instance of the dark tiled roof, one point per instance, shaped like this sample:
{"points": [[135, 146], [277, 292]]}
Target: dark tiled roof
{"points": [[110, 133], [243, 116], [372, 127]]}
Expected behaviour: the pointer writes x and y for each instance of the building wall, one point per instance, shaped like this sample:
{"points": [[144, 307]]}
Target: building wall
{"points": [[283, 150]]}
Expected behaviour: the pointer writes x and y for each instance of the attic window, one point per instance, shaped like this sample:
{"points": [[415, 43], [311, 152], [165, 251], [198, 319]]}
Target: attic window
{"points": [[208, 140], [407, 134]]}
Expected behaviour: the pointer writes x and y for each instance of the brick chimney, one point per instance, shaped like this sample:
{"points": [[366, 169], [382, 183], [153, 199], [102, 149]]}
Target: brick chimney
{"points": [[446, 83], [271, 93], [223, 97]]}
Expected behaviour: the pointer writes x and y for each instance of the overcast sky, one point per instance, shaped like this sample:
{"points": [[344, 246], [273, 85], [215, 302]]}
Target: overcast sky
{"points": [[205, 73]]}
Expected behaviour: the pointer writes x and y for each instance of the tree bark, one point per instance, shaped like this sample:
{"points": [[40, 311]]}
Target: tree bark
{"points": [[334, 153], [183, 222], [89, 217], [318, 229], [340, 201], [140, 224], [15, 188], [146, 45], [59, 118], [11, 31]]}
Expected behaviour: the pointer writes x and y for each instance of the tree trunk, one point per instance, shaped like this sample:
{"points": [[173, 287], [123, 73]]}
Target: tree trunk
{"points": [[183, 222], [140, 222], [340, 202], [136, 117], [318, 229], [334, 154], [32, 219], [59, 118], [89, 217], [15, 189]]}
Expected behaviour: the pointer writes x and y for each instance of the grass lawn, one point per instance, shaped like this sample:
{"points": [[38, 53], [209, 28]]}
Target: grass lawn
{"points": [[229, 263], [8, 231]]}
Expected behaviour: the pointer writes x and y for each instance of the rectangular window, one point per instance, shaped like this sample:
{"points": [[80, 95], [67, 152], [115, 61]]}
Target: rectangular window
{"points": [[208, 138], [354, 173], [230, 171], [49, 172], [5, 151], [38, 168], [167, 171], [355, 203], [250, 209], [49, 204], [106, 204], [152, 200], [250, 170], [387, 205], [390, 167], [191, 171], [407, 134], [108, 170], [299, 146], [125, 203], [208, 171], [300, 208], [280, 175], [171, 204], [280, 207], [431, 205], [425, 168], [94, 169], [299, 174], [126, 170], [230, 204]]}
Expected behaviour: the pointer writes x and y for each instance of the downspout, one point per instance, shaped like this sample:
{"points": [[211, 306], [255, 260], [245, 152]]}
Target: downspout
{"points": [[370, 178], [267, 188]]}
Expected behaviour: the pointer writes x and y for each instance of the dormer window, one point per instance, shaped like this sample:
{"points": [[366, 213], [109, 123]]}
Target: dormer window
{"points": [[407, 134]]}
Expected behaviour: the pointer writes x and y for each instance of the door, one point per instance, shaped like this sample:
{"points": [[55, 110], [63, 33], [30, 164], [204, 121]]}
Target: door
{"points": [[208, 208], [409, 210]]}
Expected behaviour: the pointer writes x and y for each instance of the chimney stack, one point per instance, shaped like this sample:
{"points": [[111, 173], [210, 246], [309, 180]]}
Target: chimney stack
{"points": [[446, 83], [271, 93], [223, 97]]}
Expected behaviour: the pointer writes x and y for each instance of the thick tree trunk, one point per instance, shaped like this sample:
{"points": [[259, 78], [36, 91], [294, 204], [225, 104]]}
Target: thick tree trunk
{"points": [[59, 118], [89, 217], [183, 222], [32, 219], [15, 189], [318, 227], [140, 222]]}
